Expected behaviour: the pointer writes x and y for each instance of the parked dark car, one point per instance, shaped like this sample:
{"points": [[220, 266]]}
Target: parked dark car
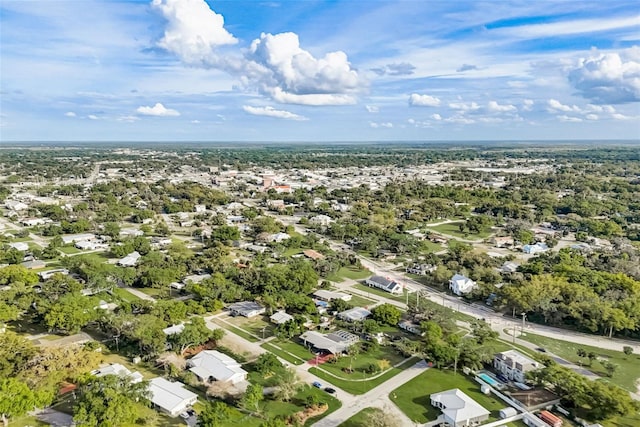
{"points": [[541, 350], [330, 390]]}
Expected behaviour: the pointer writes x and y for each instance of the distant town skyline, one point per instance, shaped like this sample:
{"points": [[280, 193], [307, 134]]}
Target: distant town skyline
{"points": [[242, 70]]}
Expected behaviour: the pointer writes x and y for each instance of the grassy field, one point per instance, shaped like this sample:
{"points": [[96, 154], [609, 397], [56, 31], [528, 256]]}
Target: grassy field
{"points": [[358, 301], [626, 375], [124, 294], [240, 332], [349, 273], [69, 250], [360, 363], [431, 246], [453, 229], [254, 325], [282, 354], [361, 387], [361, 419], [413, 397], [412, 301]]}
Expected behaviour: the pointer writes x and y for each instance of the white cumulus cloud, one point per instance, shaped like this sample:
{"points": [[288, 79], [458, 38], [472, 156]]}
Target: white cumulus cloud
{"points": [[158, 110], [418, 100], [494, 107], [272, 112], [436, 116], [193, 30], [556, 105], [70, 114], [274, 64], [608, 78], [372, 108], [279, 67], [464, 106], [92, 117], [381, 125]]}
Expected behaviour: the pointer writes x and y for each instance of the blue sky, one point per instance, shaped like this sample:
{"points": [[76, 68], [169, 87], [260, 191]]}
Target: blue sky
{"points": [[301, 70]]}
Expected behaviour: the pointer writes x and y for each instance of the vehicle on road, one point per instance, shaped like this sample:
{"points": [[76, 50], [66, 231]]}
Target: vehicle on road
{"points": [[184, 415], [541, 350], [317, 384], [330, 390]]}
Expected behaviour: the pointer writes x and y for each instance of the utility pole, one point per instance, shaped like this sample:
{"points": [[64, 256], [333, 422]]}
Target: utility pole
{"points": [[514, 333], [524, 315]]}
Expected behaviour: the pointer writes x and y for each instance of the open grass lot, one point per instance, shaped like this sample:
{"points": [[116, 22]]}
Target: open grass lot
{"points": [[629, 421], [282, 354], [69, 250], [361, 418], [413, 397], [240, 332], [453, 229], [294, 347], [349, 272], [412, 300], [361, 387], [360, 363], [626, 375], [358, 301], [254, 325], [124, 294], [431, 246]]}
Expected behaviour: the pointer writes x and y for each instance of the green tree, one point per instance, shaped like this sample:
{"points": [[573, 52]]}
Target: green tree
{"points": [[267, 363], [387, 313], [214, 414], [71, 312], [194, 333], [252, 398], [627, 350], [108, 401], [15, 352], [112, 229], [16, 399], [288, 384]]}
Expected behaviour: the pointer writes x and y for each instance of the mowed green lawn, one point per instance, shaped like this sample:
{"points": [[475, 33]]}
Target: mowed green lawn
{"points": [[349, 272], [361, 419], [413, 397], [453, 229], [626, 376]]}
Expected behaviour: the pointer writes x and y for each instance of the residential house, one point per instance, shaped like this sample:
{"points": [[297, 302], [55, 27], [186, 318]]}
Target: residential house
{"points": [[321, 220], [119, 370], [20, 246], [211, 365], [502, 242], [409, 326], [278, 237], [461, 285], [421, 269], [130, 260], [535, 249], [246, 309], [72, 238], [171, 397], [15, 205], [509, 267], [34, 265], [45, 275], [32, 222], [335, 342], [200, 208], [385, 284], [514, 365], [355, 314], [280, 317], [312, 254], [324, 295], [131, 232], [458, 409], [174, 329]]}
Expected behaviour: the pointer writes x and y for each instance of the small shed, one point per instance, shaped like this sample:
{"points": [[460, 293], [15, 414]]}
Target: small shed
{"points": [[508, 412]]}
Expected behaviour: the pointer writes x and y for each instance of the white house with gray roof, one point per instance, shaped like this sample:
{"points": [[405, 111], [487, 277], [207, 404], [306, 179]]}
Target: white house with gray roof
{"points": [[461, 285], [384, 284], [458, 409], [211, 365], [171, 397]]}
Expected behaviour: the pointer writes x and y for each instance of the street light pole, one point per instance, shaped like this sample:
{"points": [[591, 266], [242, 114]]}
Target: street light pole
{"points": [[524, 315]]}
